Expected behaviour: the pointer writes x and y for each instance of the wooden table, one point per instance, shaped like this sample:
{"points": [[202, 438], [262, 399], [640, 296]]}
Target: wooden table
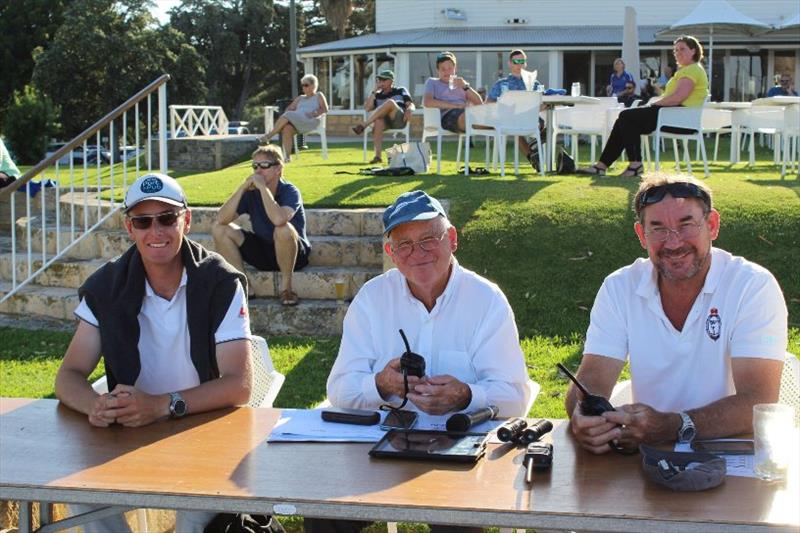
{"points": [[220, 461]]}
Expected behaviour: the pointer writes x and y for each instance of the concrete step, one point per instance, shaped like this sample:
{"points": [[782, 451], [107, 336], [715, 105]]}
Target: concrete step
{"points": [[366, 221], [267, 315], [316, 282], [327, 250]]}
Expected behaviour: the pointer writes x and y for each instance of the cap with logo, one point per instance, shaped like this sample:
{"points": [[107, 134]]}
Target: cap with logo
{"points": [[410, 206], [386, 75], [155, 186]]}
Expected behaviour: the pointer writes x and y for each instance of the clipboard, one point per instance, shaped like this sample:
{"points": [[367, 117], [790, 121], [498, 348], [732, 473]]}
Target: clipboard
{"points": [[431, 445]]}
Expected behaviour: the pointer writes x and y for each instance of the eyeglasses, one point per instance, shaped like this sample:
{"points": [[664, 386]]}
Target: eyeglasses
{"points": [[166, 219], [687, 230], [306, 84], [676, 190], [264, 164], [519, 61], [784, 81], [428, 244]]}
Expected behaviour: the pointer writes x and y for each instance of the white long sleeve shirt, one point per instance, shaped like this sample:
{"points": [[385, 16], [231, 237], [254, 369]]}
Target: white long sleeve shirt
{"points": [[469, 334]]}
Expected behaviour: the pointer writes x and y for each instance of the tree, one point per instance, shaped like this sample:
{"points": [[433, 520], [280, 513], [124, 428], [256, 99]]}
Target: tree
{"points": [[25, 26], [30, 122], [107, 50], [338, 13]]}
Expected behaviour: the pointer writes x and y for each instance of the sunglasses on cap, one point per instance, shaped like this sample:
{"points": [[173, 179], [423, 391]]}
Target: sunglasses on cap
{"points": [[264, 164], [519, 61], [676, 190], [166, 219]]}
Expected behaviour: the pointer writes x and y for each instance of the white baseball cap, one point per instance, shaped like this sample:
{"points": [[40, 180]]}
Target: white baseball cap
{"points": [[155, 186]]}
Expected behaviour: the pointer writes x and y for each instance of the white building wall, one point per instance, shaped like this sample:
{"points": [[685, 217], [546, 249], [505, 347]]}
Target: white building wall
{"points": [[393, 15]]}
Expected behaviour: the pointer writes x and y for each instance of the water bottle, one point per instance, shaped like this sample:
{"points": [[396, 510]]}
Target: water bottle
{"points": [[503, 88], [451, 82], [576, 89]]}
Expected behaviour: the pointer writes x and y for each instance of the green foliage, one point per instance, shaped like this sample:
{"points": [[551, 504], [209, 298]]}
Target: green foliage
{"points": [[30, 122]]}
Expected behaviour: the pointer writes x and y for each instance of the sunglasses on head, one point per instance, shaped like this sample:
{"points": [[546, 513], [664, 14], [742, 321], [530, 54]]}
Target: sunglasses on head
{"points": [[166, 219], [264, 164], [519, 61], [676, 190]]}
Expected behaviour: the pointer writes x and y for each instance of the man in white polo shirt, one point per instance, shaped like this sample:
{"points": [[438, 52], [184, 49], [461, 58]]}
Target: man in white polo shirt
{"points": [[705, 331], [170, 320]]}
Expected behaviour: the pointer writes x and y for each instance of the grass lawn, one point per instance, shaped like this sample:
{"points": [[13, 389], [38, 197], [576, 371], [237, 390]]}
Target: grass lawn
{"points": [[548, 242]]}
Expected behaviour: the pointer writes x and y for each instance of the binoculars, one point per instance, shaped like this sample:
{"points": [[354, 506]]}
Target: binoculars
{"points": [[516, 430]]}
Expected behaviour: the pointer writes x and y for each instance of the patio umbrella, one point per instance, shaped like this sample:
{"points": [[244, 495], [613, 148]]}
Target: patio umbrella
{"points": [[716, 15], [793, 22], [630, 45]]}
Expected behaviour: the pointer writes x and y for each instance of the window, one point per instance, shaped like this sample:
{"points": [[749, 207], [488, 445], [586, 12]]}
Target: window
{"points": [[748, 75], [603, 67], [322, 70], [493, 67], [576, 68], [422, 65], [364, 77], [340, 82]]}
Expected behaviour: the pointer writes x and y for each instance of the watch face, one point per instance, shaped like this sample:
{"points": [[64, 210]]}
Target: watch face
{"points": [[179, 408]]}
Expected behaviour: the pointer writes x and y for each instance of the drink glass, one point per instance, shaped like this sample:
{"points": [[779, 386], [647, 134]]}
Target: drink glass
{"points": [[576, 89], [341, 288], [773, 435], [451, 82]]}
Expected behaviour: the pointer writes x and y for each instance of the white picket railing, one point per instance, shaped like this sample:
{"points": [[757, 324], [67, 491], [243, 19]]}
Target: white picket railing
{"points": [[194, 120], [51, 216]]}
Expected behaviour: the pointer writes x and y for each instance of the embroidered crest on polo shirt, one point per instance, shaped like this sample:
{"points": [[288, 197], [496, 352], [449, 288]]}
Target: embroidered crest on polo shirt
{"points": [[713, 324], [243, 312], [151, 185]]}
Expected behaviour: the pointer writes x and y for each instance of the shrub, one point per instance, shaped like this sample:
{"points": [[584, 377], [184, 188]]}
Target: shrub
{"points": [[30, 122]]}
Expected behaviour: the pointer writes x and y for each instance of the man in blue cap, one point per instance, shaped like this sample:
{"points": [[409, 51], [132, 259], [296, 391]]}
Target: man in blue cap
{"points": [[390, 107], [459, 322]]}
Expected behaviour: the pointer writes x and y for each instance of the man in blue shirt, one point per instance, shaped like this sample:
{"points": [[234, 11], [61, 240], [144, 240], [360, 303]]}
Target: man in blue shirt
{"points": [[277, 240], [784, 87], [517, 61]]}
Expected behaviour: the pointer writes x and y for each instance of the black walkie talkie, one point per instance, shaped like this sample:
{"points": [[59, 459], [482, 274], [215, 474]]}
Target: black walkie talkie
{"points": [[411, 364], [591, 404]]}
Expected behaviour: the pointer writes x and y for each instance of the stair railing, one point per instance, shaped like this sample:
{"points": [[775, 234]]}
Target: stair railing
{"points": [[69, 209]]}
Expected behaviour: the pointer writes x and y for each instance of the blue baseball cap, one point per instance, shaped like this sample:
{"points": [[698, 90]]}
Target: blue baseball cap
{"points": [[410, 206]]}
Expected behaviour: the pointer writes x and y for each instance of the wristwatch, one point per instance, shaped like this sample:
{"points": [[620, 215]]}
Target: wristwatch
{"points": [[177, 406], [687, 431]]}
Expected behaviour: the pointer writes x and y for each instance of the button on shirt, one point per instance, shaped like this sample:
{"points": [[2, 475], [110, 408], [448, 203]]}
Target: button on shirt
{"points": [[469, 334], [164, 354], [740, 312]]}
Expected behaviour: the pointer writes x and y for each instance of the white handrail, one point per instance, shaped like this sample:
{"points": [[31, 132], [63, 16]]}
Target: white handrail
{"points": [[194, 120]]}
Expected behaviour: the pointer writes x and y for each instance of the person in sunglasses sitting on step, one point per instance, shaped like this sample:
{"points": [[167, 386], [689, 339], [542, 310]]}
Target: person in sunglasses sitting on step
{"points": [[277, 238], [170, 320]]}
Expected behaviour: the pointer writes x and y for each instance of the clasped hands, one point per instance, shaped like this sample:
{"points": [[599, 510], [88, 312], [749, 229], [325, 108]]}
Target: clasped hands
{"points": [[127, 406], [626, 427], [434, 395]]}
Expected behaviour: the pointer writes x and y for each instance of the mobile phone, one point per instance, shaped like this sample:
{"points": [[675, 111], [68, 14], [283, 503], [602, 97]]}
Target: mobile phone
{"points": [[724, 447], [361, 417], [399, 419]]}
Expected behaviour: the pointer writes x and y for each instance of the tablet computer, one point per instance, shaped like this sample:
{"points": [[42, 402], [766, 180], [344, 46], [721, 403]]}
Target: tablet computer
{"points": [[431, 445]]}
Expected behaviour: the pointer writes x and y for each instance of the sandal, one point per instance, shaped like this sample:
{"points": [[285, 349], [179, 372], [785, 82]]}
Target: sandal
{"points": [[375, 160], [289, 298], [631, 172], [593, 170], [358, 129]]}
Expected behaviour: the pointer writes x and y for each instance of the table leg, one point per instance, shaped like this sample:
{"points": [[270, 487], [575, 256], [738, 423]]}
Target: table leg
{"points": [[24, 524]]}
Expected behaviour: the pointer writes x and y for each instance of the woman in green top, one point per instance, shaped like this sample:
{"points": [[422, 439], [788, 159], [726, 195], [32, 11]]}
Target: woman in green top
{"points": [[687, 88]]}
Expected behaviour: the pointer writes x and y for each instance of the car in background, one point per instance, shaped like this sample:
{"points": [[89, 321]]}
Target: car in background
{"points": [[130, 152], [238, 128], [78, 156]]}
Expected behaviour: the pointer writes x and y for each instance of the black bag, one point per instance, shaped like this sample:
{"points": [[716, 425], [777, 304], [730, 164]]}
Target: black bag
{"points": [[244, 523], [378, 171], [566, 165]]}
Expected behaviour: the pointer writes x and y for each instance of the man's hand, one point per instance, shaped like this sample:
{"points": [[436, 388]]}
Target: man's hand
{"points": [[390, 380], [641, 423], [132, 407], [101, 415], [438, 395], [407, 114], [593, 433]]}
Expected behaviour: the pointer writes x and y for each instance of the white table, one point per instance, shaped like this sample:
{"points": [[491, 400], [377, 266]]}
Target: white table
{"points": [[550, 102], [736, 108]]}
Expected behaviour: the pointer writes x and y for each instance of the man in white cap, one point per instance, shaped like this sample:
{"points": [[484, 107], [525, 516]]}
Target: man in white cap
{"points": [[459, 322], [170, 320]]}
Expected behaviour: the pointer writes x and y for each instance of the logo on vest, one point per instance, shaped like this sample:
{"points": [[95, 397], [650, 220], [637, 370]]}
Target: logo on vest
{"points": [[713, 324], [151, 185]]}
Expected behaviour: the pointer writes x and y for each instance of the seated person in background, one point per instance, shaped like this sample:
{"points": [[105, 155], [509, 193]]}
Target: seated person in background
{"points": [[8, 170], [688, 88], [784, 87], [170, 320], [619, 78], [458, 321], [517, 61], [278, 239], [628, 96], [392, 105], [450, 93], [666, 74], [705, 332], [301, 116]]}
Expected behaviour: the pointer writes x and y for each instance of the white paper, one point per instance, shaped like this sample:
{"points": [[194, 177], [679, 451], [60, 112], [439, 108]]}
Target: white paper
{"points": [[736, 465], [306, 425]]}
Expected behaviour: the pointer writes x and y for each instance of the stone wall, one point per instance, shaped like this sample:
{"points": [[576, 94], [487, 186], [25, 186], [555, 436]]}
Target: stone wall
{"points": [[207, 153], [341, 126]]}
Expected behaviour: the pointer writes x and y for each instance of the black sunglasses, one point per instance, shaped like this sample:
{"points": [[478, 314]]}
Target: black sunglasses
{"points": [[264, 164], [676, 190], [166, 219]]}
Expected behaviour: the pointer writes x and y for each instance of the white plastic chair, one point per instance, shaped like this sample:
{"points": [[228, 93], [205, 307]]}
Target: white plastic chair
{"points": [[432, 125], [478, 115], [518, 114], [584, 120], [716, 121], [320, 130], [791, 140], [267, 381], [767, 120], [680, 117], [394, 132]]}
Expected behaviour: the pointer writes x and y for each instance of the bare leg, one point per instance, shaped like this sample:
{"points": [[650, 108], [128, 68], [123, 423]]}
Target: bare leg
{"points": [[286, 244], [281, 122], [227, 240], [287, 136], [377, 137], [386, 109]]}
